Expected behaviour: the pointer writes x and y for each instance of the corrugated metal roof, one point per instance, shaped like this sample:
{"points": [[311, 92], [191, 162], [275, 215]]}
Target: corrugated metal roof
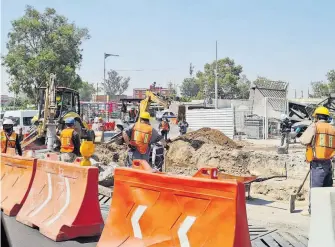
{"points": [[272, 93], [271, 85], [278, 104]]}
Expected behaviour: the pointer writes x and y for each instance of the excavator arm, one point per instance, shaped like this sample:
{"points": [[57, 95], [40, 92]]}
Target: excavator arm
{"points": [[152, 97]]}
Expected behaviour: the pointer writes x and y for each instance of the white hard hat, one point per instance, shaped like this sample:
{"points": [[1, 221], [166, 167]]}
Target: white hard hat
{"points": [[283, 116], [96, 120], [8, 121]]}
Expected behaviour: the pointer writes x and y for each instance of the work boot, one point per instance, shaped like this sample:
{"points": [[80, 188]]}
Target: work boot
{"points": [[305, 213]]}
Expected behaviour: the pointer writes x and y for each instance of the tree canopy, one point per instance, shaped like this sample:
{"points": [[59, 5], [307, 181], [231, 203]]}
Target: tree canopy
{"points": [[86, 91], [324, 88], [115, 84], [231, 83], [40, 44]]}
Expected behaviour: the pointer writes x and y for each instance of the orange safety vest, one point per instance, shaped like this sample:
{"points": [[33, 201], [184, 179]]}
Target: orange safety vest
{"points": [[141, 136], [66, 141], [7, 141], [323, 143], [165, 125]]}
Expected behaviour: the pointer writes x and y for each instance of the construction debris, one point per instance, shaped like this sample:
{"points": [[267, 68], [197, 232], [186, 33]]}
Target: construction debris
{"points": [[105, 153]]}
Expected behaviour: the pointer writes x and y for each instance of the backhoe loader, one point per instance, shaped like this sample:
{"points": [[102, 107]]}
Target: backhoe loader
{"points": [[58, 103]]}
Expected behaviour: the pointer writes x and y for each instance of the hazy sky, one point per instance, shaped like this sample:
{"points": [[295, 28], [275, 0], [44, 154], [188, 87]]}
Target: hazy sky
{"points": [[280, 39]]}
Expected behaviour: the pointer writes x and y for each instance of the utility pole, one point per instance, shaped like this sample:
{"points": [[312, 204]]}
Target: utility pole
{"points": [[105, 56], [216, 75]]}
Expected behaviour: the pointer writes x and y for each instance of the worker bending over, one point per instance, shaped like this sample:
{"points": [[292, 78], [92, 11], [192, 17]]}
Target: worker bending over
{"points": [[164, 127], [319, 138], [139, 138], [9, 139], [70, 142]]}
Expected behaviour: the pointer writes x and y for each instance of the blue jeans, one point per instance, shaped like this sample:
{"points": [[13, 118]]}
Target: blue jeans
{"points": [[321, 176]]}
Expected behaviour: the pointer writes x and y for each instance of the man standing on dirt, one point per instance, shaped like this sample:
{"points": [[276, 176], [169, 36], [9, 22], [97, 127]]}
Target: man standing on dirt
{"points": [[70, 142], [164, 127], [123, 111], [320, 142], [139, 139], [285, 129]]}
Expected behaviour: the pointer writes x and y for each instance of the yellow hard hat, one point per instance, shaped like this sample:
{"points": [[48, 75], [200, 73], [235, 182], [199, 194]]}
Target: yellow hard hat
{"points": [[58, 98], [34, 119], [321, 110], [145, 115]]}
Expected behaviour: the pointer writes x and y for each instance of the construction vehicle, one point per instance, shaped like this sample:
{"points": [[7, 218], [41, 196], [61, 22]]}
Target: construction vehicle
{"points": [[56, 104]]}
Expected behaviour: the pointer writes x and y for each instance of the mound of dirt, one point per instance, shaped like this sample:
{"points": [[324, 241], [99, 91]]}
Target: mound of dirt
{"points": [[208, 136], [205, 147], [105, 152]]}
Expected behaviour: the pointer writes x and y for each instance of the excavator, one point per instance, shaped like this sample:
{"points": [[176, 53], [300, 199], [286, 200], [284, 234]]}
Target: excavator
{"points": [[58, 104], [144, 106]]}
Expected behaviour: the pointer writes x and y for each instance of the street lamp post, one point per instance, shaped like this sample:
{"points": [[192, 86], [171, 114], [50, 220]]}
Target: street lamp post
{"points": [[105, 56], [216, 75]]}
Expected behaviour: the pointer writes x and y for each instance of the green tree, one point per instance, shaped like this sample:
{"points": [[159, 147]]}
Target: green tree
{"points": [[86, 91], [189, 88], [324, 88], [320, 89], [40, 44], [115, 84], [243, 86], [228, 76]]}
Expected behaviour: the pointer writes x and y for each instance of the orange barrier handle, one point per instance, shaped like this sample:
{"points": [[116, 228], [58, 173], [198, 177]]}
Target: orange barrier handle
{"points": [[207, 172], [142, 165]]}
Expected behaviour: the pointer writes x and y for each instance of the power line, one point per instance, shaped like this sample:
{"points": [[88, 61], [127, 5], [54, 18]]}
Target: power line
{"points": [[140, 70]]}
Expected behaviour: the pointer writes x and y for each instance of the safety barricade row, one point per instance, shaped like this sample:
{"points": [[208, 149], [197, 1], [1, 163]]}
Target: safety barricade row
{"points": [[59, 198], [17, 175], [155, 209]]}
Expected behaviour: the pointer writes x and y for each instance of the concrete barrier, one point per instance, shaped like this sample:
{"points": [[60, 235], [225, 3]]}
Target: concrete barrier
{"points": [[321, 230]]}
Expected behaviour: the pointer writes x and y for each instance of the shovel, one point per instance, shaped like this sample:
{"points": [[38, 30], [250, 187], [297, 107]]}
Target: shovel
{"points": [[294, 196]]}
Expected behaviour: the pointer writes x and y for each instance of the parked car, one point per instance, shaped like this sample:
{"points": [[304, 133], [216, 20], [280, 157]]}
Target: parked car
{"points": [[165, 114]]}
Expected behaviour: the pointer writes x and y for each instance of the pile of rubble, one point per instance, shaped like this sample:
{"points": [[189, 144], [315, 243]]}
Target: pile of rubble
{"points": [[205, 147]]}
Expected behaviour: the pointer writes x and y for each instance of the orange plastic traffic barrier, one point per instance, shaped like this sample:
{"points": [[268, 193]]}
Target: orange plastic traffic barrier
{"points": [[142, 165], [28, 153], [154, 209], [17, 174], [213, 173], [51, 156], [63, 201], [11, 151]]}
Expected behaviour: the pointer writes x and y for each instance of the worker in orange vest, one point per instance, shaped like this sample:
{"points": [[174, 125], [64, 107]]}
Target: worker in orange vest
{"points": [[139, 138], [70, 142], [9, 139], [164, 127], [320, 142]]}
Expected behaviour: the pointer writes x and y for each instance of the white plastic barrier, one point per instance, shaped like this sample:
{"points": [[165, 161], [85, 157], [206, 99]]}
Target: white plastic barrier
{"points": [[321, 230]]}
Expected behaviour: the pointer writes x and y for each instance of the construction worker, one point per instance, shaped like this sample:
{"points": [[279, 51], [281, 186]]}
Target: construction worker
{"points": [[70, 142], [20, 135], [123, 111], [318, 138], [164, 127], [285, 129], [96, 124], [183, 125], [9, 139], [139, 138]]}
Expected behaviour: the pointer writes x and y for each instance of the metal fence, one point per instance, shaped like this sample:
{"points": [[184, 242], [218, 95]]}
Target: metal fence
{"points": [[221, 119]]}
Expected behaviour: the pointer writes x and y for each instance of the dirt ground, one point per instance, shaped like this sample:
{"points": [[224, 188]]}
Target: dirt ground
{"points": [[208, 147]]}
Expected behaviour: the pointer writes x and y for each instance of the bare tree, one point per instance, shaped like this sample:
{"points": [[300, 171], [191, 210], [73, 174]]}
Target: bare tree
{"points": [[115, 84]]}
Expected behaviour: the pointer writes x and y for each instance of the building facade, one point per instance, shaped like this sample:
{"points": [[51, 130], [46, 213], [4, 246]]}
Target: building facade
{"points": [[139, 93]]}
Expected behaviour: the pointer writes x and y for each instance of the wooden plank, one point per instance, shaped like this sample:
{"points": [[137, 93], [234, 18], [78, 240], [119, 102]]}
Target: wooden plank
{"points": [[280, 240], [270, 241], [293, 240], [258, 243]]}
